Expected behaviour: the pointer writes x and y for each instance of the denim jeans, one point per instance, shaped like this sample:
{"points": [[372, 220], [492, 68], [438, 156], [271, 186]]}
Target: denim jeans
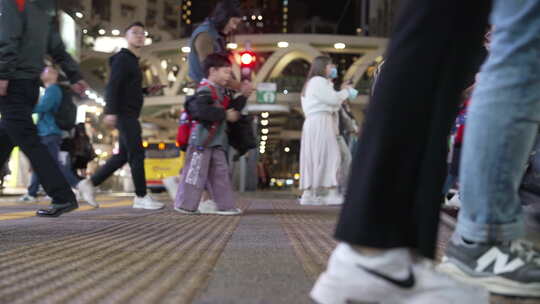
{"points": [[52, 142], [502, 125]]}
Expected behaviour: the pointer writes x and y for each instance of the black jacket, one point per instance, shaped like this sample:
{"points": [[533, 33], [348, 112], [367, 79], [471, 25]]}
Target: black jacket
{"points": [[27, 34], [240, 134], [124, 93]]}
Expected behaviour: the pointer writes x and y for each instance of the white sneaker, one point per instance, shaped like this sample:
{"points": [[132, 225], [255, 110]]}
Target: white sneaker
{"points": [[78, 196], [454, 201], [233, 211], [210, 207], [88, 192], [389, 278], [333, 198], [27, 198], [310, 199], [171, 184], [184, 211], [147, 202]]}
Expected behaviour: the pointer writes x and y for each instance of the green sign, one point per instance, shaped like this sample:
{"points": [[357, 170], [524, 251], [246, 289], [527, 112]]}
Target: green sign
{"points": [[266, 92]]}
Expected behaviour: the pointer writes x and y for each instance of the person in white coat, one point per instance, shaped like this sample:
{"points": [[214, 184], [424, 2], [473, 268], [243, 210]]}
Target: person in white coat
{"points": [[319, 153]]}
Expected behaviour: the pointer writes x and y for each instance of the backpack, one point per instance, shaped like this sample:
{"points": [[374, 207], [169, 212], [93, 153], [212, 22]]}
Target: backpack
{"points": [[66, 114], [185, 125], [82, 150], [187, 122]]}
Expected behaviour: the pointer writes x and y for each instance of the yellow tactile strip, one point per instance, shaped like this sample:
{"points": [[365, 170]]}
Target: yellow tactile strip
{"points": [[310, 231], [164, 257]]}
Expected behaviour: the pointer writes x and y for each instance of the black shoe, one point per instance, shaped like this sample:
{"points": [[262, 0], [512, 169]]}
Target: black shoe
{"points": [[57, 209]]}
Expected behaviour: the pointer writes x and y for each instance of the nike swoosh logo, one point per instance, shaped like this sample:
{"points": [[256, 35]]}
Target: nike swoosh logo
{"points": [[407, 283]]}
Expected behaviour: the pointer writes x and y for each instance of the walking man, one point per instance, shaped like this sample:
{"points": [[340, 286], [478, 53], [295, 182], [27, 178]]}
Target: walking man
{"points": [[28, 32], [124, 98]]}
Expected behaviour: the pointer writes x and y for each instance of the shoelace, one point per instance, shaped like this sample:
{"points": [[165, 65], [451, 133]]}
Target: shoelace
{"points": [[525, 250]]}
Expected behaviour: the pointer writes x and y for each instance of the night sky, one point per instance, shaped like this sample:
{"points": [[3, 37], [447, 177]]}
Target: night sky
{"points": [[327, 10], [331, 11]]}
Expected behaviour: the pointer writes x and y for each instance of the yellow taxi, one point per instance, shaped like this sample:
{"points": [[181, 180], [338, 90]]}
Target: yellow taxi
{"points": [[163, 159]]}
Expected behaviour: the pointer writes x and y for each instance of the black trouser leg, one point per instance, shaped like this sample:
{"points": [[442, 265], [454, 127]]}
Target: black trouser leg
{"points": [[399, 167], [17, 128], [131, 151], [132, 140], [114, 163]]}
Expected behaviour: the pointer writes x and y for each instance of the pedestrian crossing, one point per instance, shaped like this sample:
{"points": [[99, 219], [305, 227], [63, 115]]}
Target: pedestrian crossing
{"points": [[105, 202]]}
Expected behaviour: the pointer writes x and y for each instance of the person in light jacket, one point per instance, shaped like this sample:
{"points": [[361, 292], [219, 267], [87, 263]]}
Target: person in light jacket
{"points": [[320, 154]]}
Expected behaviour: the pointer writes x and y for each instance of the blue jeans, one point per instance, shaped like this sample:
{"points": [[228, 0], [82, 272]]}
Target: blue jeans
{"points": [[52, 142], [502, 125]]}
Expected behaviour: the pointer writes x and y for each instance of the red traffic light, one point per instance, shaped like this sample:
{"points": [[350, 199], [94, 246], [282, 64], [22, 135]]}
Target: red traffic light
{"points": [[247, 59]]}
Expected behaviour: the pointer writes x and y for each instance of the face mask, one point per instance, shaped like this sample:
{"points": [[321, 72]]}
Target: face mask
{"points": [[333, 73], [353, 93]]}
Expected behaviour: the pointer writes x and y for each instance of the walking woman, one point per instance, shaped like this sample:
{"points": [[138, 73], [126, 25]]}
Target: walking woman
{"points": [[320, 154]]}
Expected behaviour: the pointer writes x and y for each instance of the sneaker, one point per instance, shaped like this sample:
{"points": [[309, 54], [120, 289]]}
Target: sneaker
{"points": [[188, 212], [27, 198], [88, 192], [333, 198], [233, 211], [147, 202], [210, 207], [77, 194], [509, 268], [454, 202], [310, 199], [171, 185], [389, 278]]}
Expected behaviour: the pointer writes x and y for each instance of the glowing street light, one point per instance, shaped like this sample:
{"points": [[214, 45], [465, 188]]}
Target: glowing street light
{"points": [[283, 44], [339, 46]]}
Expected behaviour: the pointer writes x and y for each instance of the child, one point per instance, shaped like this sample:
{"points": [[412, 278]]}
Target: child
{"points": [[206, 162]]}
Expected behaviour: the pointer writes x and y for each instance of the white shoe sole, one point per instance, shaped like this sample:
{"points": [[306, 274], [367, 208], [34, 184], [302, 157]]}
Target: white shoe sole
{"points": [[328, 290], [228, 213], [310, 202], [337, 203], [187, 212], [147, 207], [494, 284], [93, 204]]}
